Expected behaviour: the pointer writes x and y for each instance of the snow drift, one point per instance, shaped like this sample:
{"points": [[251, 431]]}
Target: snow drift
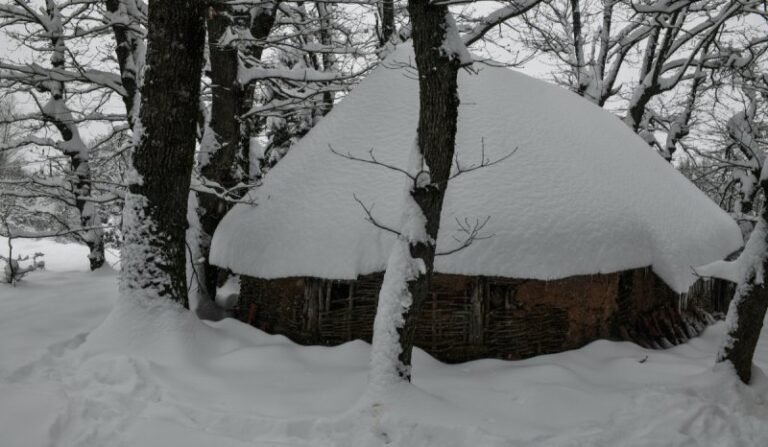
{"points": [[581, 194]]}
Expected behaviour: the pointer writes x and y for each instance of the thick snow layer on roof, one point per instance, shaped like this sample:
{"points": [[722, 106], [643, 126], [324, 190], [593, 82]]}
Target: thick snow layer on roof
{"points": [[582, 194]]}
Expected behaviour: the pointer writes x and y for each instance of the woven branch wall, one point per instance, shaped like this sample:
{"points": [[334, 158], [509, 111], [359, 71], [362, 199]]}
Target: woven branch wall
{"points": [[480, 317]]}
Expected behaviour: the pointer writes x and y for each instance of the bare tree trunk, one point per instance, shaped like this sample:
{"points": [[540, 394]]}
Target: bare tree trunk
{"points": [[578, 48], [155, 215], [410, 266]]}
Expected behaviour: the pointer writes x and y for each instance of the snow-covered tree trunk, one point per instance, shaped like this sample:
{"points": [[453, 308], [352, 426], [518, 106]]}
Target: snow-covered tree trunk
{"points": [[748, 307], [325, 14], [262, 21], [125, 17], [648, 87], [224, 157], [742, 131], [679, 127], [58, 113], [155, 214], [220, 149], [439, 55]]}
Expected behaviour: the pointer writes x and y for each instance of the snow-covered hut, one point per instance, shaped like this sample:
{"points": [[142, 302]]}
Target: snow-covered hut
{"points": [[590, 234]]}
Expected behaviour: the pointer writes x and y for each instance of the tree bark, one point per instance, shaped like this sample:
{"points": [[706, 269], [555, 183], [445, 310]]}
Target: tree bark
{"points": [[155, 215]]}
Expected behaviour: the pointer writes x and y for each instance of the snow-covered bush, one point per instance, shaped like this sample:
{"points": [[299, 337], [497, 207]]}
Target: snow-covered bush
{"points": [[15, 269]]}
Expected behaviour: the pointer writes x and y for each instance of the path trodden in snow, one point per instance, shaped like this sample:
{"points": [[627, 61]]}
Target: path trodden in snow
{"points": [[168, 379]]}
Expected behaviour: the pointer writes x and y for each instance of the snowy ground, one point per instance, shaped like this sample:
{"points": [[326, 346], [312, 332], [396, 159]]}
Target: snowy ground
{"points": [[68, 377]]}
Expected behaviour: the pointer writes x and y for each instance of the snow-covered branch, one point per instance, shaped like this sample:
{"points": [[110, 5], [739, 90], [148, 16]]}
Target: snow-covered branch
{"points": [[488, 22]]}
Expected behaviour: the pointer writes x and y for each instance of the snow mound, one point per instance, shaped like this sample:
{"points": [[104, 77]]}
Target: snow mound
{"points": [[582, 194]]}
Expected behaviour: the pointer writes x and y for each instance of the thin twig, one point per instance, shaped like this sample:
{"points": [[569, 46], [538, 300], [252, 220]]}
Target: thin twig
{"points": [[472, 230], [372, 160], [484, 161], [371, 219]]}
